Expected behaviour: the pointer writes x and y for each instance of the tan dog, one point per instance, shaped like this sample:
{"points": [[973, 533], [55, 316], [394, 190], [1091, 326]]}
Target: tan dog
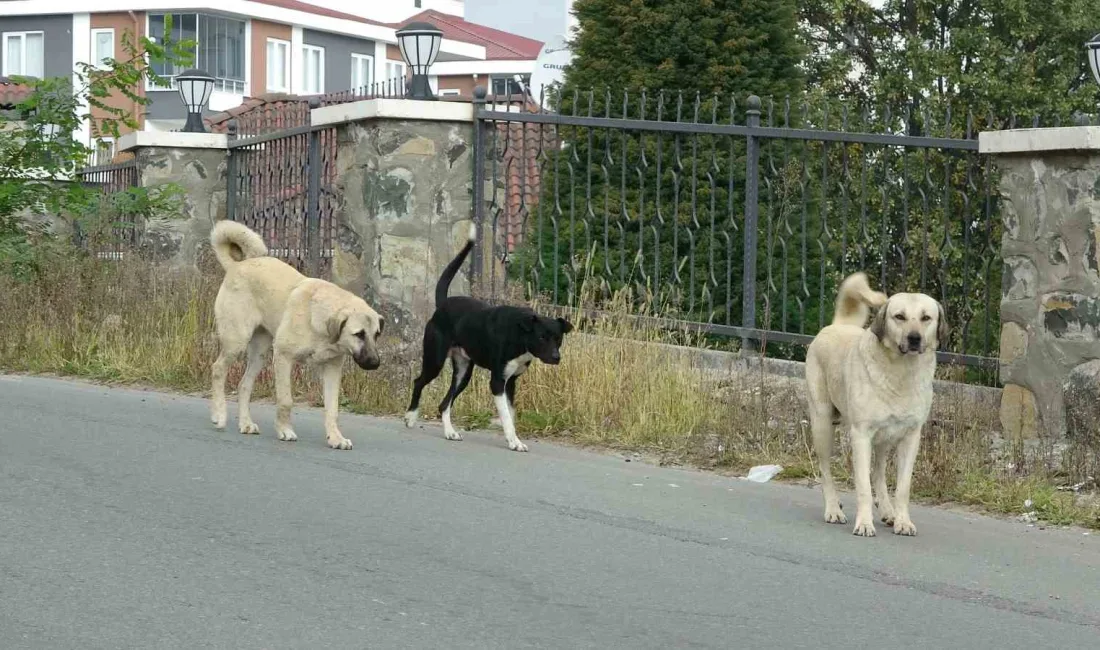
{"points": [[264, 301], [877, 383]]}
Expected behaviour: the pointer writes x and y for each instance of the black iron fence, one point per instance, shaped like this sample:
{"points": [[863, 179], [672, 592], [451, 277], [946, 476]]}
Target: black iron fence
{"points": [[113, 230], [739, 219], [280, 185]]}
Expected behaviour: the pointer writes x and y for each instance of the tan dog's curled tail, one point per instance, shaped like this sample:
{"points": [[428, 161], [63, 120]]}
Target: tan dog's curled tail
{"points": [[235, 242], [854, 301]]}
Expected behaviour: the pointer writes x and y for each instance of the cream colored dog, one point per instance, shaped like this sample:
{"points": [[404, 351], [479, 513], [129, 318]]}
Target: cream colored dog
{"points": [[877, 383], [264, 301]]}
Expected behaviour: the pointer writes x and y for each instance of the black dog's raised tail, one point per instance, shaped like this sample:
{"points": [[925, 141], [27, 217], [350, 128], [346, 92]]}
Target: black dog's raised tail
{"points": [[451, 269]]}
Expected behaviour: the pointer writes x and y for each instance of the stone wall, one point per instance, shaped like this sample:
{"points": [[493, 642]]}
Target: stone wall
{"points": [[1050, 304], [201, 174], [406, 204]]}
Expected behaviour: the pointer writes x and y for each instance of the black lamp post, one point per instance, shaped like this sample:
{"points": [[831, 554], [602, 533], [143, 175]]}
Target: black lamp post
{"points": [[1093, 47], [419, 43], [195, 87]]}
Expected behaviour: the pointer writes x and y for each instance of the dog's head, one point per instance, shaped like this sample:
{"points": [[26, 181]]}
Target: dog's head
{"points": [[356, 330], [542, 336], [910, 323]]}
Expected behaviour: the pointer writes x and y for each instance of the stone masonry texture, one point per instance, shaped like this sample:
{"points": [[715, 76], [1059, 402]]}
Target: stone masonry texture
{"points": [[1050, 298], [406, 204], [202, 175]]}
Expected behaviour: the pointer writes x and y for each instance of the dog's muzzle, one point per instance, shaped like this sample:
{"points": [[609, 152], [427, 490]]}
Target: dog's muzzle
{"points": [[914, 341], [554, 358], [367, 360]]}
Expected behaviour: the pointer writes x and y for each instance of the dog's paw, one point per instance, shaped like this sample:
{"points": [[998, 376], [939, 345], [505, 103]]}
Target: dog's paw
{"points": [[905, 527], [517, 445], [835, 516], [218, 421], [410, 418], [249, 427], [339, 442], [288, 435], [452, 435], [864, 529], [887, 518]]}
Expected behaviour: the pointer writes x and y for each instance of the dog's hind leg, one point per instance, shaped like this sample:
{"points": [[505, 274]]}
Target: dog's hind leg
{"points": [[232, 345], [434, 357], [821, 421], [882, 491], [500, 398], [460, 378], [257, 355]]}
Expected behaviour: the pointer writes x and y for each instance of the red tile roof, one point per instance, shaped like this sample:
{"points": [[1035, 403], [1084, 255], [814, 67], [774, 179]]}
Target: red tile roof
{"points": [[12, 93], [305, 7], [498, 45]]}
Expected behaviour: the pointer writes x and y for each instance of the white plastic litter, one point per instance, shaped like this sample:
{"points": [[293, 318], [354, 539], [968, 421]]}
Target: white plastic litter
{"points": [[763, 473]]}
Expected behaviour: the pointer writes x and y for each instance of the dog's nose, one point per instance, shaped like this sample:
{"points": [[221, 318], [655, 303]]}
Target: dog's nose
{"points": [[368, 362], [914, 341], [555, 356]]}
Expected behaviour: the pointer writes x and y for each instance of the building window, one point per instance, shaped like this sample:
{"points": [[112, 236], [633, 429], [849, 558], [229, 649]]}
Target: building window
{"points": [[103, 47], [278, 66], [104, 152], [219, 48], [313, 70], [508, 85], [24, 54], [362, 71], [395, 70]]}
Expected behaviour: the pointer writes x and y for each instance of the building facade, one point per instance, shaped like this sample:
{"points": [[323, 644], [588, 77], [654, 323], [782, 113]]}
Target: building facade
{"points": [[254, 48]]}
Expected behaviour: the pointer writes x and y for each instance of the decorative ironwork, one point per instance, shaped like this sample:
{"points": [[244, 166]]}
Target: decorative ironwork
{"points": [[280, 185], [738, 218], [123, 232]]}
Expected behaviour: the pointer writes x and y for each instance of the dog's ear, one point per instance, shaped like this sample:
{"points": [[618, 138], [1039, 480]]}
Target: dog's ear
{"points": [[528, 324], [943, 330], [381, 325], [336, 327], [566, 326], [878, 323]]}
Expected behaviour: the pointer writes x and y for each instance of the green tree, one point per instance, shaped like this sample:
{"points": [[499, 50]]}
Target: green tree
{"points": [[657, 212], [996, 57], [711, 47], [39, 155]]}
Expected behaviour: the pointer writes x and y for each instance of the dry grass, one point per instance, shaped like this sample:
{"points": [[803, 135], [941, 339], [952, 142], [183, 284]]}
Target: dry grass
{"points": [[133, 323]]}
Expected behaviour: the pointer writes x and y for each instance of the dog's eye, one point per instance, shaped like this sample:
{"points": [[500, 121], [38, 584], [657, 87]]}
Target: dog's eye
{"points": [[925, 318], [899, 316], [361, 334]]}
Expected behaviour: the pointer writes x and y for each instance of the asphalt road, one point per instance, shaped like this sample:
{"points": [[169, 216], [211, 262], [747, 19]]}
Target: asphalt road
{"points": [[126, 521]]}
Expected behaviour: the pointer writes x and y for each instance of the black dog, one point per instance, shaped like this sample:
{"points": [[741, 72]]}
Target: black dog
{"points": [[502, 340]]}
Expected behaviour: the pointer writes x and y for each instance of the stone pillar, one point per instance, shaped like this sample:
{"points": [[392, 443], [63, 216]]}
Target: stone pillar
{"points": [[1050, 297], [404, 182], [196, 162]]}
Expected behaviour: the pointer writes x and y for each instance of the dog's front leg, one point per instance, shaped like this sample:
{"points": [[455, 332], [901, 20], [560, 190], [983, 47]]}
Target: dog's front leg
{"points": [[882, 491], [330, 377], [907, 458], [284, 397], [861, 475], [504, 411]]}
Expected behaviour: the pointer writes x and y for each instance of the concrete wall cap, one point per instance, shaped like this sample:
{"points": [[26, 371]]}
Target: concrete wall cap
{"points": [[173, 140], [394, 109], [1024, 141]]}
